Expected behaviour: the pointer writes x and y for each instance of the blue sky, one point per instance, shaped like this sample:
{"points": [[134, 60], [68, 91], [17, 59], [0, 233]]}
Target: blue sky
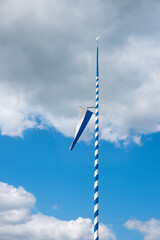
{"points": [[47, 70], [43, 165]]}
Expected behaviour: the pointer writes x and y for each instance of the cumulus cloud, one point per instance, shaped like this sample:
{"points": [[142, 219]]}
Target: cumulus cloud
{"points": [[18, 222], [132, 109], [150, 229], [15, 204], [47, 65]]}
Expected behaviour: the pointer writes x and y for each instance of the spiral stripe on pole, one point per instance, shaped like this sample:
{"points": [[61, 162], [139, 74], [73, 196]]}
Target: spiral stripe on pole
{"points": [[96, 206]]}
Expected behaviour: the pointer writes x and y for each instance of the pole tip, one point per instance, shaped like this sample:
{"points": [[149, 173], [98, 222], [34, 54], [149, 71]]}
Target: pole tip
{"points": [[97, 40]]}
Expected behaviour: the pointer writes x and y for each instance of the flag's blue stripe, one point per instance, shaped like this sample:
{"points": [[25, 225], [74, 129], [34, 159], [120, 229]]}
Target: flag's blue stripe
{"points": [[82, 127]]}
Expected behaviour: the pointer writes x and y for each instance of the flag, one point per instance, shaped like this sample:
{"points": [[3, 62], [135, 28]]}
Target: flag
{"points": [[84, 118]]}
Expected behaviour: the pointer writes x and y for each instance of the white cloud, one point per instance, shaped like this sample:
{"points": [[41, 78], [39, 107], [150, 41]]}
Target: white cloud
{"points": [[47, 66], [131, 109], [15, 115], [15, 204], [150, 229], [18, 222]]}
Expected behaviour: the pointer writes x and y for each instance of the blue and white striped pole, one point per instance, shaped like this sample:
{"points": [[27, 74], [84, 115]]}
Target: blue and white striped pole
{"points": [[96, 208]]}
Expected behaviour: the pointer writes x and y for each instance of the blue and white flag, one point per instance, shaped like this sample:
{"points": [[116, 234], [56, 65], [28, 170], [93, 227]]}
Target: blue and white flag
{"points": [[84, 118]]}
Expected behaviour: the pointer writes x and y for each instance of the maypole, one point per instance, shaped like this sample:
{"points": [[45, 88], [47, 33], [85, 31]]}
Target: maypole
{"points": [[96, 207], [84, 118]]}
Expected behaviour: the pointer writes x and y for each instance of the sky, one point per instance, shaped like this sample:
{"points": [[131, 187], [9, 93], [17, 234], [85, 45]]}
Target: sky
{"points": [[47, 70]]}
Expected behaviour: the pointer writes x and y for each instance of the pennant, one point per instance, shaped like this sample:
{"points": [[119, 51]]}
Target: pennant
{"points": [[84, 118]]}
